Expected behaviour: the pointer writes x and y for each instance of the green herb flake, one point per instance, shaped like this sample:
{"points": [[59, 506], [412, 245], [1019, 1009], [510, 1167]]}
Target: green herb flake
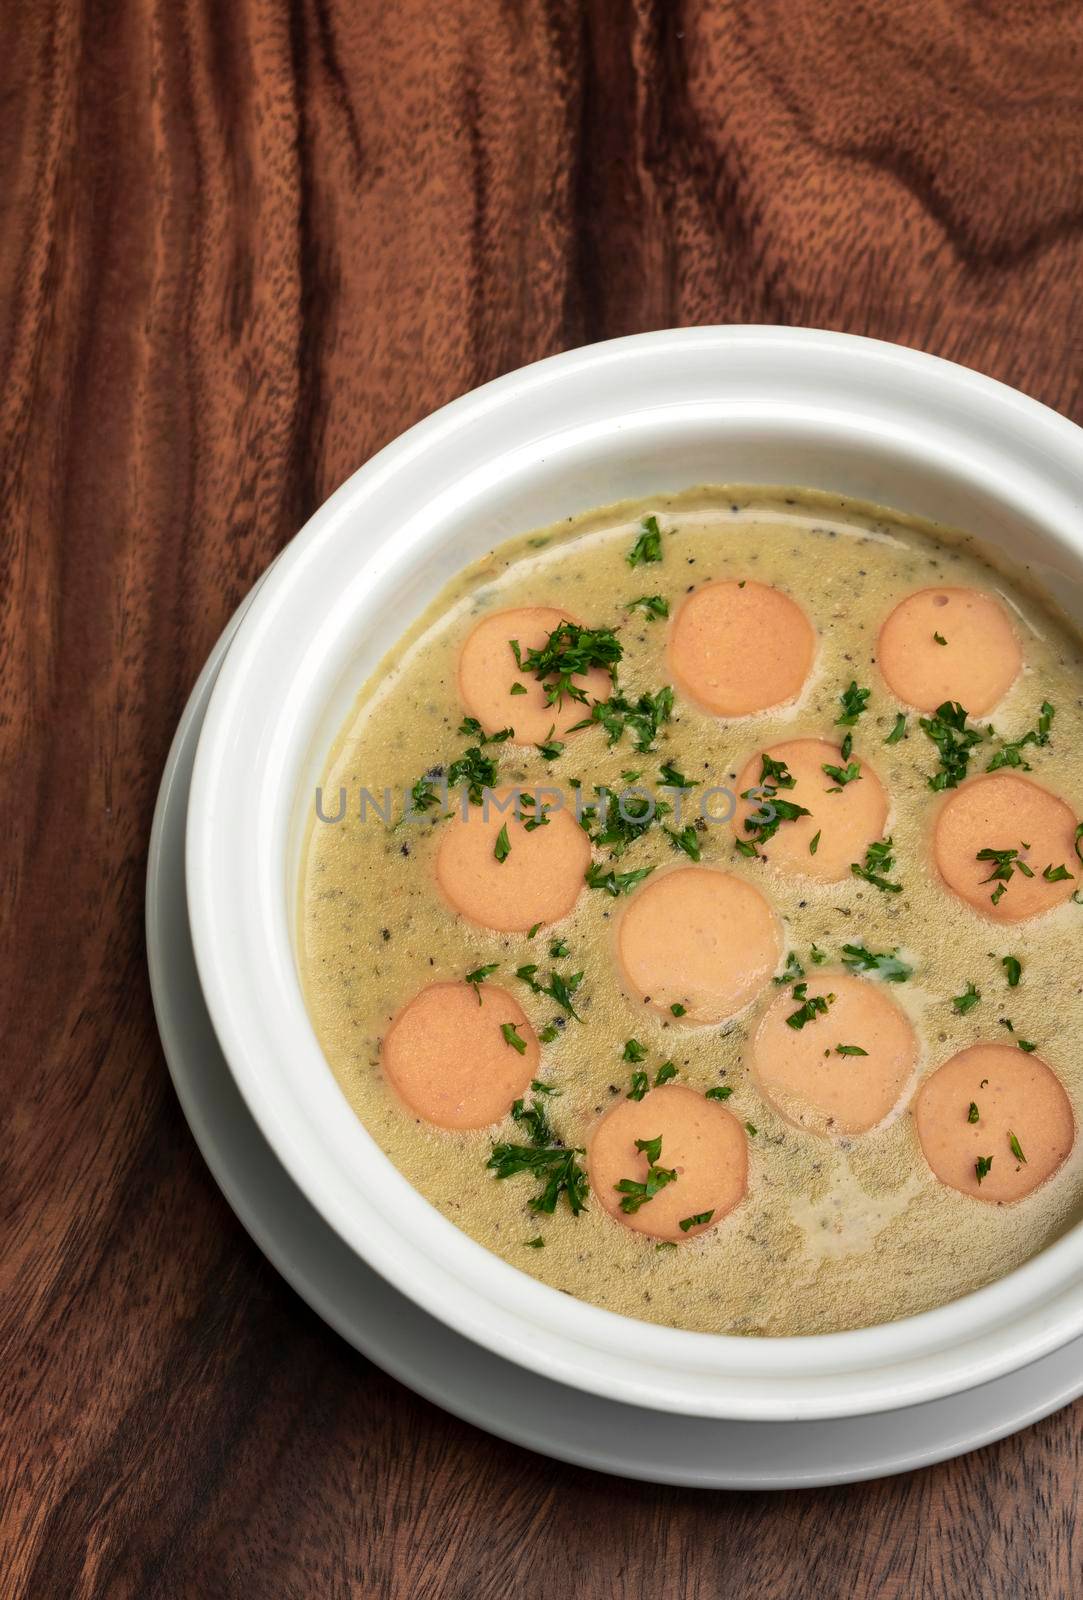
{"points": [[814, 842], [973, 1114], [854, 702], [966, 1001], [479, 975], [898, 730], [665, 1074], [886, 964], [637, 1194], [810, 1007], [677, 1009], [654, 606], [982, 1167], [502, 847], [511, 1036], [939, 637], [555, 1167], [695, 1222], [648, 547], [720, 1091], [634, 1051], [686, 841], [842, 776], [879, 861], [614, 883], [850, 1050], [954, 740], [518, 688], [792, 972], [751, 1129], [535, 1244], [640, 1084], [1011, 754]]}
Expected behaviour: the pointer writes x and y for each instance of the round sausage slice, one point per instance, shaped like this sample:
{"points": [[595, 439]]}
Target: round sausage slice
{"points": [[994, 1109], [844, 820], [1002, 812], [447, 1058], [702, 1142], [976, 664], [488, 673], [698, 938], [737, 648], [805, 1077], [540, 876]]}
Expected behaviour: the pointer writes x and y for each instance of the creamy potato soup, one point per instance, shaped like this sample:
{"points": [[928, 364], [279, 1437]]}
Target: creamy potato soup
{"points": [[691, 910]]}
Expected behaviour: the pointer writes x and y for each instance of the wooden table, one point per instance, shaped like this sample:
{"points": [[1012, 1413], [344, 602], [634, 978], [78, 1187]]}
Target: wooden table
{"points": [[244, 245]]}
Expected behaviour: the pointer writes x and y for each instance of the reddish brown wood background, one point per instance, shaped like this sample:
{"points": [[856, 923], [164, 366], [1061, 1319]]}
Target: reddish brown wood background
{"points": [[242, 245]]}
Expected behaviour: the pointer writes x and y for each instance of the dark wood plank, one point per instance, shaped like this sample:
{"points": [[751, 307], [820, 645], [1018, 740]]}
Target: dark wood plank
{"points": [[244, 245]]}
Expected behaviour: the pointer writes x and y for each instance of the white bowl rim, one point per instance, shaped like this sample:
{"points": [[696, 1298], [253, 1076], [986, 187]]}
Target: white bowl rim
{"points": [[272, 1051]]}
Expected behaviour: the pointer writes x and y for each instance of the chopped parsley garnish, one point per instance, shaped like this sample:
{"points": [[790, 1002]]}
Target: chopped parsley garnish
{"points": [[948, 730], [751, 1128], [471, 728], [671, 778], [854, 702], [556, 1169], [654, 606], [1010, 753], [502, 847], [627, 821], [533, 930], [552, 748], [696, 1221], [614, 883], [1027, 1045], [793, 971], [534, 1119], [1054, 874], [967, 1001], [1013, 970], [665, 1074], [478, 977], [1016, 1148], [634, 1051], [687, 840], [879, 861], [764, 822], [641, 718], [474, 769], [559, 949], [517, 688], [640, 1084], [569, 651], [817, 956], [939, 637], [1005, 862], [973, 1115], [885, 965], [811, 1006], [982, 1166], [898, 730], [549, 1033], [558, 988], [720, 1091], [814, 842], [511, 1036], [842, 775], [423, 797], [648, 547], [534, 1244], [677, 1009], [637, 1194], [850, 1050]]}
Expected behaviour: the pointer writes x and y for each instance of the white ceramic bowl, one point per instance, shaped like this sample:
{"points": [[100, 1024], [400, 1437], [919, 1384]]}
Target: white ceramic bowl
{"points": [[634, 417]]}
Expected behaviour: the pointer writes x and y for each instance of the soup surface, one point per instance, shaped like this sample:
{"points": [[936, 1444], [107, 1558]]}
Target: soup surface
{"points": [[759, 988]]}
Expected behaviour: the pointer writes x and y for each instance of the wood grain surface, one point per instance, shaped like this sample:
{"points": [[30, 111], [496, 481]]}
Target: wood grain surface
{"points": [[242, 246]]}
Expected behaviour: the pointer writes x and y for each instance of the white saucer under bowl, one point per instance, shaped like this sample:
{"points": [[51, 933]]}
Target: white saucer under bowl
{"points": [[446, 1368]]}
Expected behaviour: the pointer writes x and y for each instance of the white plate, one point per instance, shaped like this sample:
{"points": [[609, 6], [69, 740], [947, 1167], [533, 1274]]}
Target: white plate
{"points": [[447, 1369]]}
